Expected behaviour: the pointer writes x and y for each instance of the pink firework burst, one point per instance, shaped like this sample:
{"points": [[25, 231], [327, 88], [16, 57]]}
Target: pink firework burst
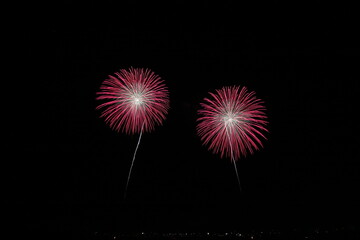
{"points": [[232, 122], [135, 101]]}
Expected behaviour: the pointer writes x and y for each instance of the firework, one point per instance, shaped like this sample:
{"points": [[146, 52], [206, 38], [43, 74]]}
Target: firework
{"points": [[136, 100], [232, 122]]}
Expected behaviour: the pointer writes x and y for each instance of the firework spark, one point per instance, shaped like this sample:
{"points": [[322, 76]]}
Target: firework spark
{"points": [[232, 122], [135, 101]]}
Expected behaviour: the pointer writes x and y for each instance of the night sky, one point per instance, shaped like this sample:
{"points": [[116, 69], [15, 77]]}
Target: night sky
{"points": [[303, 61]]}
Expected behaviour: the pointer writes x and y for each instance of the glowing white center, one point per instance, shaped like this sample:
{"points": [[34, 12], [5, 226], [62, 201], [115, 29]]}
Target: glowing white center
{"points": [[229, 119], [137, 99]]}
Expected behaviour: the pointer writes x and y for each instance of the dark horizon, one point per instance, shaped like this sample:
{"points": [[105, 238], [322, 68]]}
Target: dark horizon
{"points": [[302, 61]]}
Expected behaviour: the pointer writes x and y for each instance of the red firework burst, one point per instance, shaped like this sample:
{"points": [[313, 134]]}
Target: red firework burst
{"points": [[232, 122], [136, 100]]}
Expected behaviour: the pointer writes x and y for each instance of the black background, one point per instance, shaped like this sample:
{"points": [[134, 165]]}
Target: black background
{"points": [[303, 61]]}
